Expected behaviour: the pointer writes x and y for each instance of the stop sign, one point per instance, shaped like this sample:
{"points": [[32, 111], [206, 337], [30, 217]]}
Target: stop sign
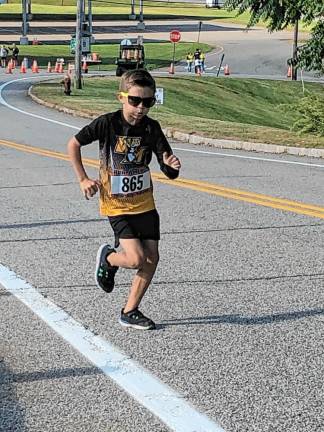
{"points": [[175, 36]]}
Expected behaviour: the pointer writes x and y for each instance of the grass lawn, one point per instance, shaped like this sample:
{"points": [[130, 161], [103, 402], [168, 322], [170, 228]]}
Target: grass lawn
{"points": [[245, 109], [157, 54], [120, 10]]}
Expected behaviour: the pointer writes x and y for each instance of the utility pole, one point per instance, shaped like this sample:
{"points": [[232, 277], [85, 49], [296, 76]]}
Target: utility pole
{"points": [[78, 44], [90, 19], [24, 38], [141, 23], [294, 57], [29, 9], [132, 15], [199, 30]]}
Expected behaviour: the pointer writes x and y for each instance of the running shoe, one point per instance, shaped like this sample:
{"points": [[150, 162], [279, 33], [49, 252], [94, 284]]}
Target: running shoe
{"points": [[136, 320], [105, 273]]}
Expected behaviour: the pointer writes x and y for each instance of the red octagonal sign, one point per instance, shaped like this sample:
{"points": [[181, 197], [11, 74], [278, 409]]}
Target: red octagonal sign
{"points": [[175, 36]]}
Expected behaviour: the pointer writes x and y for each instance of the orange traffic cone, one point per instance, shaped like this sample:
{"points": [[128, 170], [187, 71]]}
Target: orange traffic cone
{"points": [[49, 67], [60, 68], [35, 67], [56, 67], [9, 68], [23, 67], [289, 72], [85, 67], [171, 68], [226, 70]]}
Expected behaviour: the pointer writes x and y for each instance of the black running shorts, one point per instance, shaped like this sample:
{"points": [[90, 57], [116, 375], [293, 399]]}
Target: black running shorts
{"points": [[143, 226]]}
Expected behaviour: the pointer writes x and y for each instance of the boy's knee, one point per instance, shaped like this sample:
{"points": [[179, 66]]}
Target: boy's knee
{"points": [[136, 261], [153, 259]]}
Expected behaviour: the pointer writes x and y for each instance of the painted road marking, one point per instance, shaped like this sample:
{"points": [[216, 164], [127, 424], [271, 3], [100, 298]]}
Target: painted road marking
{"points": [[210, 188], [250, 157], [169, 406], [3, 102]]}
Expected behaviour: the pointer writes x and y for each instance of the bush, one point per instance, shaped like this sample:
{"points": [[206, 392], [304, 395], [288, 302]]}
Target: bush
{"points": [[311, 110]]}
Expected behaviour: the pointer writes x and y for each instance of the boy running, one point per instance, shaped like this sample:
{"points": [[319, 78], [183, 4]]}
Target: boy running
{"points": [[127, 139]]}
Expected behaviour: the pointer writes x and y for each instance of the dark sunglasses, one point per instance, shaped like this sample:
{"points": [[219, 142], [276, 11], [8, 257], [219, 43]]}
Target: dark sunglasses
{"points": [[148, 102]]}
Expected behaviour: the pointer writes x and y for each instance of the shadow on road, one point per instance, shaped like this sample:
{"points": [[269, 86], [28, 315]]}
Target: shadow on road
{"points": [[49, 223], [55, 374], [243, 320], [12, 415]]}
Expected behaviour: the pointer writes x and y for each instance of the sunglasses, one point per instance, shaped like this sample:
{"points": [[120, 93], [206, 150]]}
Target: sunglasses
{"points": [[148, 102]]}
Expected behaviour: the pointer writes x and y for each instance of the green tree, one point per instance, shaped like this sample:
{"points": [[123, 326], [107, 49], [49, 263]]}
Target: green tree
{"points": [[278, 14]]}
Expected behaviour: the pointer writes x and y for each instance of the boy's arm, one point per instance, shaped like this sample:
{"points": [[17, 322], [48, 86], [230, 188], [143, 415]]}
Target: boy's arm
{"points": [[172, 165], [89, 187], [169, 163]]}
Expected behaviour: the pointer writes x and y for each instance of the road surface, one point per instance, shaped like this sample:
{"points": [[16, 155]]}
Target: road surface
{"points": [[238, 295]]}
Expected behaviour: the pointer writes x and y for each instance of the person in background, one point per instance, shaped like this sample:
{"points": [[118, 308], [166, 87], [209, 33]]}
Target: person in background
{"points": [[14, 54], [3, 56], [202, 61], [189, 60]]}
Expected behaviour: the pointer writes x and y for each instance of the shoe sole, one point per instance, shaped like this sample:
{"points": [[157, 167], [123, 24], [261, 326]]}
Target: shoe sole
{"points": [[97, 265], [137, 327]]}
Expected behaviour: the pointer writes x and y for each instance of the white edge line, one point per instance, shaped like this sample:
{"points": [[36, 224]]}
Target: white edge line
{"points": [[3, 102], [250, 157], [157, 397]]}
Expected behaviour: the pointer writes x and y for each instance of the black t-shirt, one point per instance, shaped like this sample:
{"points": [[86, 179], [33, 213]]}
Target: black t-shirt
{"points": [[125, 153], [15, 52]]}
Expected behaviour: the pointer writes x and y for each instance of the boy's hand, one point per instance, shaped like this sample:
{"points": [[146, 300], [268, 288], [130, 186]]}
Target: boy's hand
{"points": [[172, 161], [89, 187]]}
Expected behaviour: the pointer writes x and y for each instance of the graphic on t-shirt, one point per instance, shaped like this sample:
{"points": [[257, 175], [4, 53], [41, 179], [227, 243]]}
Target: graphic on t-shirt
{"points": [[131, 148]]}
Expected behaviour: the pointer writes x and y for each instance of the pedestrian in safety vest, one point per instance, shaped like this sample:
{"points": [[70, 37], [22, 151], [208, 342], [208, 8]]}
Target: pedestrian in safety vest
{"points": [[189, 60], [202, 60]]}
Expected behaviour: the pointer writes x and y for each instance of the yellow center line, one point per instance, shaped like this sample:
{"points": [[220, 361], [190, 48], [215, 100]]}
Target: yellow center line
{"points": [[210, 188]]}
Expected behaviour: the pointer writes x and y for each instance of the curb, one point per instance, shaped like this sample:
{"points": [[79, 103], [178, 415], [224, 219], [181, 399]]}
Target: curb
{"points": [[243, 145], [200, 140], [74, 113]]}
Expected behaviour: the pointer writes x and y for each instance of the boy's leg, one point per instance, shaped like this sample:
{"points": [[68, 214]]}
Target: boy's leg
{"points": [[144, 275], [143, 256]]}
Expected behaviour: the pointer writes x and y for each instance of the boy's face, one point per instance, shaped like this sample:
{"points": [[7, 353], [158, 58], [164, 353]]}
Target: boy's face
{"points": [[134, 114]]}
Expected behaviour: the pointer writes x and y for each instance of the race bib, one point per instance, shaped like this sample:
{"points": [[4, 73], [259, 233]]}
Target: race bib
{"points": [[130, 184]]}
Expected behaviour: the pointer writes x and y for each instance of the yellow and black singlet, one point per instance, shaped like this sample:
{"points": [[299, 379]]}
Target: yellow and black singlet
{"points": [[125, 153]]}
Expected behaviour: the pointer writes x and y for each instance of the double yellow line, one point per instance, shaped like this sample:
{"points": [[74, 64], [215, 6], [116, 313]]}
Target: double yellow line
{"points": [[213, 189]]}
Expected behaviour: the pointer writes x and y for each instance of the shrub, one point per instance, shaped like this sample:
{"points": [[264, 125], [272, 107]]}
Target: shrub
{"points": [[311, 111]]}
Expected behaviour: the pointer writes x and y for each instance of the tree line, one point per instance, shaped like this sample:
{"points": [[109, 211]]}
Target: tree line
{"points": [[279, 14]]}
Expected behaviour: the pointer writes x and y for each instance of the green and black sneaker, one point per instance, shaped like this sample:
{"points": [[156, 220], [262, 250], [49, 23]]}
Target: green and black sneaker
{"points": [[136, 320], [105, 273]]}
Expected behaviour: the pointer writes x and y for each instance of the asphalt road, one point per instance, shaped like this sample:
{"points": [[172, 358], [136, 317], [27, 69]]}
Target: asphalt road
{"points": [[238, 295]]}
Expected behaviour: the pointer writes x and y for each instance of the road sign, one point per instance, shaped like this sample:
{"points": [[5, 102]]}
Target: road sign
{"points": [[85, 44], [159, 96], [72, 45], [175, 36]]}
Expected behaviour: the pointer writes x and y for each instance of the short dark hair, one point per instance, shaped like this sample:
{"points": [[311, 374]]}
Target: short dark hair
{"points": [[137, 77]]}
